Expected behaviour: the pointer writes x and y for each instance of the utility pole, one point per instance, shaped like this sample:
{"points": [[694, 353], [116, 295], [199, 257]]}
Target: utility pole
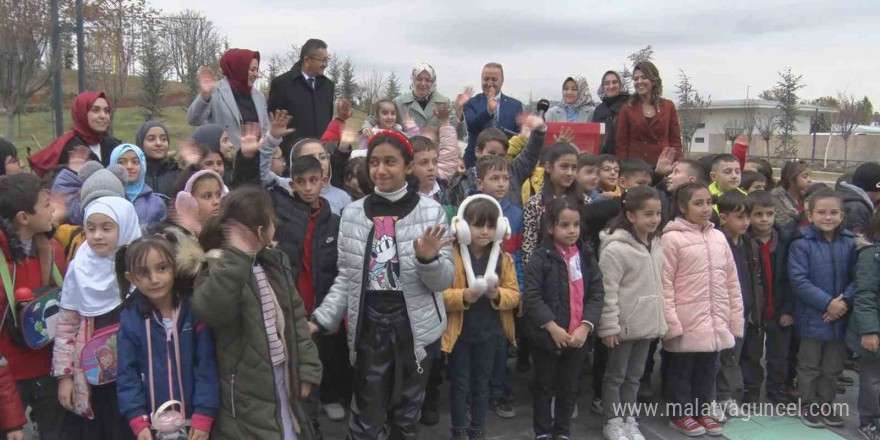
{"points": [[56, 59], [80, 48]]}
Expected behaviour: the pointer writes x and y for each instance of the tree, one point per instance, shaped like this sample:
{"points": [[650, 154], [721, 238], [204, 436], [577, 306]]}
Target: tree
{"points": [[690, 108], [392, 89], [786, 90], [847, 122], [154, 78], [750, 115], [765, 126], [644, 54], [768, 95], [372, 89], [732, 130], [866, 111], [346, 84], [25, 64], [190, 42]]}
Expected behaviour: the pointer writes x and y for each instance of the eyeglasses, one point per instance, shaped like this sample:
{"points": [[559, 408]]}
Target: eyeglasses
{"points": [[325, 62]]}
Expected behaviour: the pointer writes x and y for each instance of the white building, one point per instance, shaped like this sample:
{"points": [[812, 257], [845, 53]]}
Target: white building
{"points": [[710, 136]]}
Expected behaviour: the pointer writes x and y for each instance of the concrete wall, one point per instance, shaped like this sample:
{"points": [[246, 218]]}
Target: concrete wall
{"points": [[862, 148]]}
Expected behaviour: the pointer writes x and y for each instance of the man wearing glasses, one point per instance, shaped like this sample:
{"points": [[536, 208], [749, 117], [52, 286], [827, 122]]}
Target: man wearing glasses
{"points": [[305, 93]]}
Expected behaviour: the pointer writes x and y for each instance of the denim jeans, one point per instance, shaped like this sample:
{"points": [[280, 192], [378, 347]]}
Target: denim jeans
{"points": [[470, 365]]}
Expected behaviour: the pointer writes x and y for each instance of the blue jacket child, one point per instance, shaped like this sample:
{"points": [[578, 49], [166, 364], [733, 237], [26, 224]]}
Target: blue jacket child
{"points": [[201, 384]]}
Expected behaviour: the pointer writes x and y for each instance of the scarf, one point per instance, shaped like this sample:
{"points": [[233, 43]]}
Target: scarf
{"points": [[427, 68], [235, 64], [583, 99], [132, 189], [601, 90], [47, 158], [392, 196], [90, 287]]}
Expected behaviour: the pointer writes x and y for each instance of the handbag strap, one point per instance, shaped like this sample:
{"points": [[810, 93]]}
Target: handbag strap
{"points": [[8, 286], [150, 363]]}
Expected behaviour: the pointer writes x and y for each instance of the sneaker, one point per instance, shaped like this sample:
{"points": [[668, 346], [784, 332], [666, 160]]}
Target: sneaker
{"points": [[335, 412], [687, 426], [459, 434], [869, 432], [615, 429], [476, 434], [792, 392], [712, 427], [574, 413], [848, 381], [779, 398], [503, 407], [811, 418], [596, 407], [633, 427], [832, 420], [732, 408], [717, 413]]}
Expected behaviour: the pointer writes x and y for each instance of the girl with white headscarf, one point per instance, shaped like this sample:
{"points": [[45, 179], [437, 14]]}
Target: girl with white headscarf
{"points": [[90, 300]]}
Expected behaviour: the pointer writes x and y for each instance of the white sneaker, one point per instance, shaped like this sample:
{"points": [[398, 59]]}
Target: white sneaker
{"points": [[632, 427], [553, 408], [615, 429], [335, 412], [717, 412], [574, 414], [733, 409]]}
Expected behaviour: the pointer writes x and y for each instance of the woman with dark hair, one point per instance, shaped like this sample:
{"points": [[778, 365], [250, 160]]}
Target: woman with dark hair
{"points": [[576, 104], [647, 124], [233, 101], [613, 96], [153, 138]]}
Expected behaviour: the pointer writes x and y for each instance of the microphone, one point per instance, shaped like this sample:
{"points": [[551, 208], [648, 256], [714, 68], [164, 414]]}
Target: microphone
{"points": [[543, 106]]}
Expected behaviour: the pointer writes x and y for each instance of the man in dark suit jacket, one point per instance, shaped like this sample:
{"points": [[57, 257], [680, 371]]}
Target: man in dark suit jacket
{"points": [[490, 109], [305, 93]]}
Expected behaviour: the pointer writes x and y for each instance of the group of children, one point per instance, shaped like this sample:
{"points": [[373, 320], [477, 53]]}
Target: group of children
{"points": [[364, 272]]}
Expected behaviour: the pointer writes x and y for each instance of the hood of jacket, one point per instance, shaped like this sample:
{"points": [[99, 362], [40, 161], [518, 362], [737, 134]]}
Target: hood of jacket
{"points": [[852, 193], [622, 236], [682, 225]]}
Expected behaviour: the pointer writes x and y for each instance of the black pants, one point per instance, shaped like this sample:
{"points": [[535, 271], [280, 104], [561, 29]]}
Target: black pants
{"points": [[600, 361], [556, 375], [690, 382], [41, 394], [336, 380], [750, 359], [108, 423], [778, 359], [387, 381]]}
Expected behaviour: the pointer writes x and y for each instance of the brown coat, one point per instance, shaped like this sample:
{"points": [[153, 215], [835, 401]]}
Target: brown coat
{"points": [[638, 138]]}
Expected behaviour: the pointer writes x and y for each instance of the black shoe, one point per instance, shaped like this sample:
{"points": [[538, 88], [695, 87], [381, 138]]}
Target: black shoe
{"points": [[832, 420], [811, 418], [459, 434], [848, 381], [869, 431], [503, 407], [430, 417], [476, 434], [779, 398], [751, 397], [560, 437]]}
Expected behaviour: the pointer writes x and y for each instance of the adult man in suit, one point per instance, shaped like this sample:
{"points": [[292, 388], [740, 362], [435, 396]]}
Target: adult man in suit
{"points": [[490, 109], [305, 93]]}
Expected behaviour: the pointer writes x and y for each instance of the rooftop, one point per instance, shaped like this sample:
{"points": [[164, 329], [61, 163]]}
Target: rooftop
{"points": [[741, 104]]}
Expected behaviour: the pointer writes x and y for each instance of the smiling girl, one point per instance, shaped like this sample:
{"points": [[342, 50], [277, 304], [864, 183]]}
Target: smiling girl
{"points": [[149, 205], [576, 104]]}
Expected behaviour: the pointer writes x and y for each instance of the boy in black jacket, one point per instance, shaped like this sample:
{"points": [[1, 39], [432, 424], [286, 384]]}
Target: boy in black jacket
{"points": [[306, 232]]}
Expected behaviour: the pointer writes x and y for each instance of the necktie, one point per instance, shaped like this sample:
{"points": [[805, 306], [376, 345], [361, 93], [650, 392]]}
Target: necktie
{"points": [[497, 115], [312, 83]]}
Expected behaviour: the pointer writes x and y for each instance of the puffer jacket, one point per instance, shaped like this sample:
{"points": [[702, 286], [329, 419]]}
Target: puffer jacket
{"points": [[11, 408], [228, 300], [150, 206], [857, 208], [866, 305], [820, 271], [422, 284], [453, 300], [632, 276], [701, 292], [162, 176]]}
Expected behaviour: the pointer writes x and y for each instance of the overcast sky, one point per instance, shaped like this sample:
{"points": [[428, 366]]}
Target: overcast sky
{"points": [[725, 46]]}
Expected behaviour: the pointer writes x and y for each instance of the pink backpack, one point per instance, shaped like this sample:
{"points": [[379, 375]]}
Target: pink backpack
{"points": [[98, 356], [168, 423]]}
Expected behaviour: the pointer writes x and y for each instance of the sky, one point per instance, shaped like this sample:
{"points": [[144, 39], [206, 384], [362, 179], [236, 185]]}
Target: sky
{"points": [[728, 48]]}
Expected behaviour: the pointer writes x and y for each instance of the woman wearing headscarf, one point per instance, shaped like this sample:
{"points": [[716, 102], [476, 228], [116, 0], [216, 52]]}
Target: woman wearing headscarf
{"points": [[647, 124], [576, 104], [421, 101], [153, 139], [233, 101], [150, 206], [89, 137], [613, 96], [217, 152]]}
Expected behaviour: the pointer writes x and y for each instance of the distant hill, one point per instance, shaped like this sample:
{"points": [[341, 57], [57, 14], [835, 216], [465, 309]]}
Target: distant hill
{"points": [[176, 93]]}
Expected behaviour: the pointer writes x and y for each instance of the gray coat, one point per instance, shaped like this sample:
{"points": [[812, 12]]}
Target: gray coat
{"points": [[223, 111], [557, 114], [422, 284]]}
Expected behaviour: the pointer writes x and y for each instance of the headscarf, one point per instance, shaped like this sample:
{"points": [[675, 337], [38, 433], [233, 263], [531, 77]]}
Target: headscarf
{"points": [[90, 284], [47, 158], [132, 189], [6, 150], [235, 64], [584, 97], [601, 90], [145, 128], [208, 136], [427, 68]]}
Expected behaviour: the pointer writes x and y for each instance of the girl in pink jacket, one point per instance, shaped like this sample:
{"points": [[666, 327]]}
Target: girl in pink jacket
{"points": [[703, 308]]}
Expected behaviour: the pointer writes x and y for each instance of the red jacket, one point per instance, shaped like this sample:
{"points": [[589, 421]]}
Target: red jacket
{"points": [[11, 409], [24, 362], [638, 138]]}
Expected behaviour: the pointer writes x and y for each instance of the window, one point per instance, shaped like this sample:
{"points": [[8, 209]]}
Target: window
{"points": [[701, 125], [699, 140]]}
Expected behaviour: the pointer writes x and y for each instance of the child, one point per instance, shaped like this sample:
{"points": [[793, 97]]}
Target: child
{"points": [[216, 151], [152, 137], [29, 254], [562, 301], [864, 327], [773, 243], [741, 365], [357, 178], [159, 306], [753, 181], [426, 171], [609, 170], [150, 206], [860, 197], [397, 264], [89, 302], [763, 167], [265, 356], [633, 312], [698, 274], [385, 118], [725, 176], [560, 172], [10, 164], [588, 175], [819, 266], [198, 198], [306, 232], [480, 306], [788, 193]]}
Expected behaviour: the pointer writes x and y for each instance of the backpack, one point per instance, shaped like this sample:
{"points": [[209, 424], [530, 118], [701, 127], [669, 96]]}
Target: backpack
{"points": [[99, 358], [32, 324]]}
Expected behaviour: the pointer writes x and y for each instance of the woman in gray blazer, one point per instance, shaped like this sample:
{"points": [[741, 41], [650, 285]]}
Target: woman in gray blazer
{"points": [[232, 101]]}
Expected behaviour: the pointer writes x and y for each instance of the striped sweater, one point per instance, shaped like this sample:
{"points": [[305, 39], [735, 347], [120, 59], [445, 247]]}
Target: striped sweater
{"points": [[270, 307]]}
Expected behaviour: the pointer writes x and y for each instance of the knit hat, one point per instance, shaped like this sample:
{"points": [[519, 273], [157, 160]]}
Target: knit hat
{"points": [[102, 183], [89, 168], [867, 177]]}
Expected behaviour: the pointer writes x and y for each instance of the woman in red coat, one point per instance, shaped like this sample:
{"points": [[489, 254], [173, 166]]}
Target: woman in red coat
{"points": [[648, 124]]}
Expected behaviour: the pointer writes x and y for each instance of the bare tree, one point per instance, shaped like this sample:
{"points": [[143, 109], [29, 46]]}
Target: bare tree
{"points": [[749, 120], [25, 31], [372, 89], [190, 42], [732, 129], [690, 109], [847, 122], [765, 126]]}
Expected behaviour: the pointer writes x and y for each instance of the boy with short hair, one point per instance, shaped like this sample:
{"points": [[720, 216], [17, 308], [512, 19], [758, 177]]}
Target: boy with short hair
{"points": [[773, 243], [741, 364], [609, 172], [820, 266], [29, 254], [725, 175], [588, 175], [753, 181]]}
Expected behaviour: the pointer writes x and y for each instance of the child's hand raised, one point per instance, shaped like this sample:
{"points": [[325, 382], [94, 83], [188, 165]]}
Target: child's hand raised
{"points": [[428, 246], [190, 154], [77, 157], [442, 111], [665, 162], [250, 140], [532, 122], [278, 122], [240, 237], [343, 109], [566, 135], [408, 121]]}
